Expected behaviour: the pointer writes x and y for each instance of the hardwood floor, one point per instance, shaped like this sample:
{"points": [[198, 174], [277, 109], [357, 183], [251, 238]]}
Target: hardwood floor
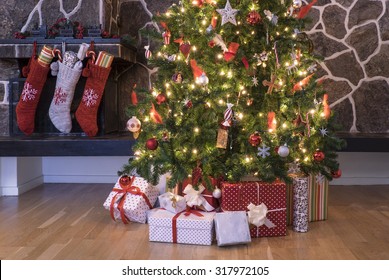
{"points": [[68, 221]]}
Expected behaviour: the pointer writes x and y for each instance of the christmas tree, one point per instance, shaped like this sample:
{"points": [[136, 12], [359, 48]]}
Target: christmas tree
{"points": [[236, 94]]}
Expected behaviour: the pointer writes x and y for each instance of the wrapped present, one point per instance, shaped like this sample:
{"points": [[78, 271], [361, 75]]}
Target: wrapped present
{"points": [[172, 202], [130, 199], [300, 204], [200, 198], [266, 203], [104, 59], [232, 228], [188, 227], [317, 198]]}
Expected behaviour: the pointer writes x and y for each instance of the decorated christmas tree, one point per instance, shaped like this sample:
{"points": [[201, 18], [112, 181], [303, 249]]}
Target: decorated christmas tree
{"points": [[236, 94]]}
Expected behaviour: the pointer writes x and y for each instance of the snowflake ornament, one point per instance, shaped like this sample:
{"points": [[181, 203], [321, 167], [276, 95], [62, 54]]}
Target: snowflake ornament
{"points": [[59, 96], [90, 97], [319, 178], [294, 168], [255, 81], [28, 93], [263, 151], [323, 131], [228, 14]]}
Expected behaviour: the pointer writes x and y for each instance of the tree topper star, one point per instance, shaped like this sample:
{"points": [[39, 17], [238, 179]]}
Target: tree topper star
{"points": [[228, 14]]}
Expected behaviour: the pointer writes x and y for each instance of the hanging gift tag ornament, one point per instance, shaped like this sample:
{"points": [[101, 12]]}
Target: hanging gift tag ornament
{"points": [[222, 138]]}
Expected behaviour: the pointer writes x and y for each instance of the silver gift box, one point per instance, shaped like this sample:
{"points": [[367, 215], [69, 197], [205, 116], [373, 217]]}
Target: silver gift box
{"points": [[232, 228]]}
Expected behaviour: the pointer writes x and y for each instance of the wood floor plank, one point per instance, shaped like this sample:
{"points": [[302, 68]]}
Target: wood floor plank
{"points": [[68, 221]]}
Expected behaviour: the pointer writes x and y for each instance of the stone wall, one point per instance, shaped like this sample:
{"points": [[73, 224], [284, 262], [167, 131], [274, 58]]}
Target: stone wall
{"points": [[351, 35]]}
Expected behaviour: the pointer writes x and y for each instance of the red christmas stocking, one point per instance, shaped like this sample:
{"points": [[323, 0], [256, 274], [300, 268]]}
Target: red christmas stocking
{"points": [[86, 113], [26, 107]]}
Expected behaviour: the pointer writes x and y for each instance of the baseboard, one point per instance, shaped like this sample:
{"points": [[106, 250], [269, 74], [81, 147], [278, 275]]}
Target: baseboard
{"points": [[362, 181], [80, 179], [25, 187]]}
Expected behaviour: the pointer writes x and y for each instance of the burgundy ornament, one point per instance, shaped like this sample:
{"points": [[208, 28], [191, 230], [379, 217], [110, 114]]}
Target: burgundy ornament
{"points": [[161, 98], [336, 174], [318, 156], [152, 144], [255, 139], [253, 18]]}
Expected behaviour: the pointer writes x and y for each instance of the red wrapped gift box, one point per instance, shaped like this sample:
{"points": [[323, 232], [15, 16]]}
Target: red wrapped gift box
{"points": [[237, 196]]}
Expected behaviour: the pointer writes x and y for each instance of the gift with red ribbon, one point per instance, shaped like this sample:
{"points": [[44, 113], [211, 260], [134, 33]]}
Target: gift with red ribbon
{"points": [[264, 202], [187, 227], [130, 199]]}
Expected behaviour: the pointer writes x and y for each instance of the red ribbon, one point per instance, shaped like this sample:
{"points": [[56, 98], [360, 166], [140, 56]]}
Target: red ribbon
{"points": [[174, 221], [127, 188], [232, 50], [304, 10]]}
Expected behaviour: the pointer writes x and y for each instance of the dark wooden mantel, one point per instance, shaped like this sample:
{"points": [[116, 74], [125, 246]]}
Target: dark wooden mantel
{"points": [[31, 146]]}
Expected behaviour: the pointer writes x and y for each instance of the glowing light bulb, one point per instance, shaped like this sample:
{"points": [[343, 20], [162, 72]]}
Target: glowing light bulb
{"points": [[196, 130], [194, 151]]}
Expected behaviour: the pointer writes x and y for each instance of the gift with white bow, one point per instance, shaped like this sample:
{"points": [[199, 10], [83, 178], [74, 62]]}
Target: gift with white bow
{"points": [[265, 204], [197, 198]]}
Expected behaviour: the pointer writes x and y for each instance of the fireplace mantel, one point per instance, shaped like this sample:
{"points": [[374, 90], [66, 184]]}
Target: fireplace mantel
{"points": [[74, 144], [22, 48]]}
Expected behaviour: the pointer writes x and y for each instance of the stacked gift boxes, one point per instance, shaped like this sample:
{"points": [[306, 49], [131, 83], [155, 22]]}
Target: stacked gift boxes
{"points": [[252, 208]]}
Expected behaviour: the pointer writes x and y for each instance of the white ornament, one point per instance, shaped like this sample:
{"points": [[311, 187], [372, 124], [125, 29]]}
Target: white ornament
{"points": [[217, 193], [202, 80], [294, 168], [255, 81], [228, 14], [323, 131], [263, 151], [133, 124], [283, 151]]}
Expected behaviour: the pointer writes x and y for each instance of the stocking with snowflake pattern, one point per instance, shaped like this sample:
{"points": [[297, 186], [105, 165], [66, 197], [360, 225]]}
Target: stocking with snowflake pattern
{"points": [[86, 113], [36, 73], [59, 111]]}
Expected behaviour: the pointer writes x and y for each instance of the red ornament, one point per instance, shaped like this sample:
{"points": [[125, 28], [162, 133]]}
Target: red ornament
{"points": [[161, 98], [152, 144], [336, 174], [255, 139], [253, 18], [318, 156], [188, 104]]}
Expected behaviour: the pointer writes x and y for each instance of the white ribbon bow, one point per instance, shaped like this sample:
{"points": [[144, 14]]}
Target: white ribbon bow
{"points": [[195, 198], [171, 200], [257, 215]]}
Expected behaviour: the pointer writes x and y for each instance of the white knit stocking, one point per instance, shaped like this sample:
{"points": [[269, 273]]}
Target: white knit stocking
{"points": [[59, 111]]}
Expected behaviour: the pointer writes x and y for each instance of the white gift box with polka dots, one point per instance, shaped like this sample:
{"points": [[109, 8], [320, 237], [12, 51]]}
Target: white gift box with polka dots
{"points": [[135, 206], [190, 229]]}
